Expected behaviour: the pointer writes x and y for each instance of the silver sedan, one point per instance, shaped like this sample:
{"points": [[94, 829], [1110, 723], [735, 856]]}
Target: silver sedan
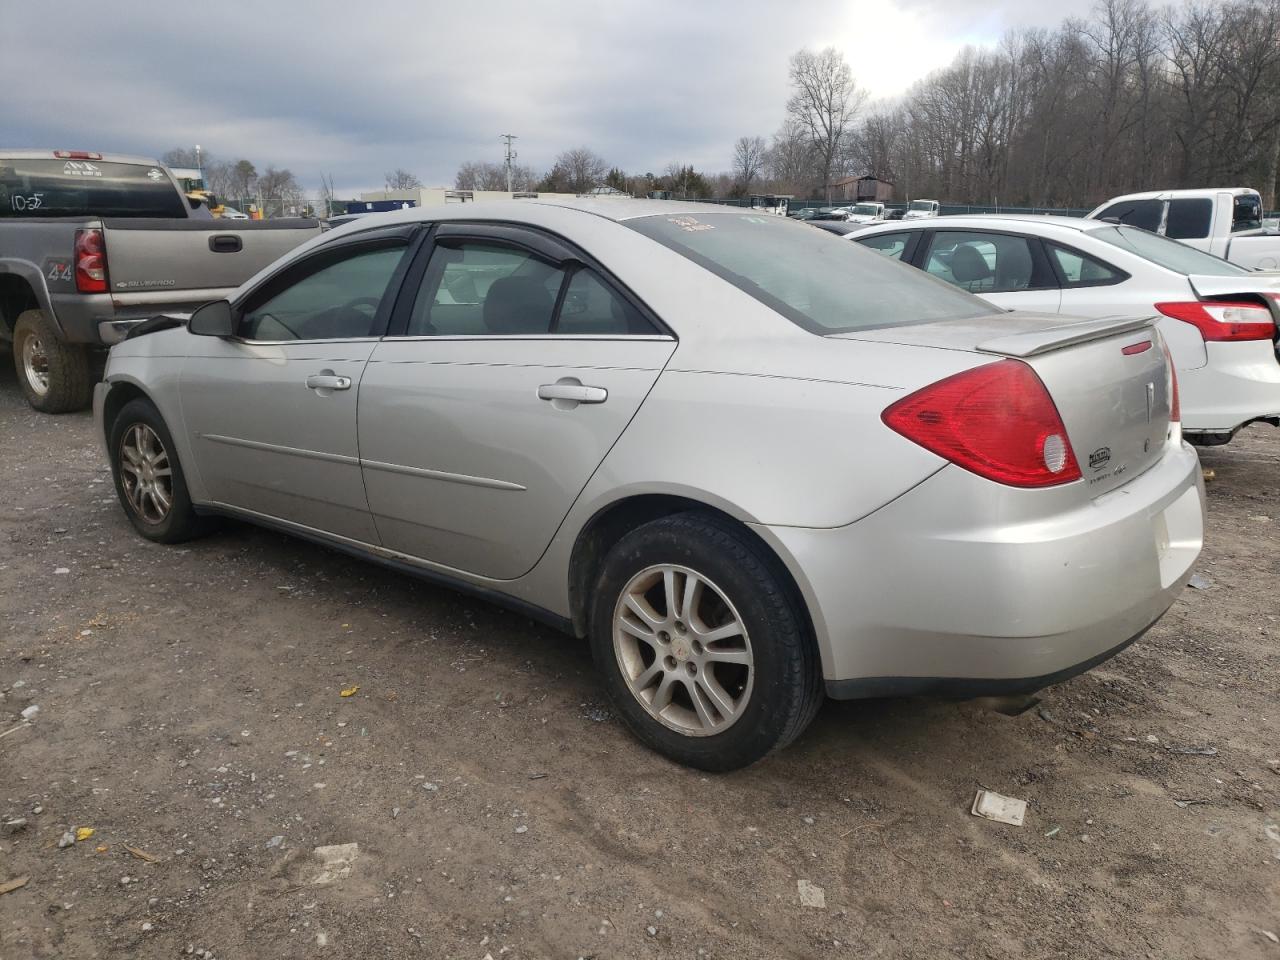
{"points": [[750, 462]]}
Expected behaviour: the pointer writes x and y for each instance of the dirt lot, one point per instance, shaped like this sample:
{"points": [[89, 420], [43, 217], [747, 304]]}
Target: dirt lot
{"points": [[189, 709]]}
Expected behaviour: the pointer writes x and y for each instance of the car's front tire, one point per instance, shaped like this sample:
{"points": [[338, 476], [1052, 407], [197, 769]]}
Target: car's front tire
{"points": [[703, 646], [148, 477]]}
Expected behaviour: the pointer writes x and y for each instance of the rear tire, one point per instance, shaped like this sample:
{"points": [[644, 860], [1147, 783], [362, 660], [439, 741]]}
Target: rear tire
{"points": [[148, 477], [717, 682], [54, 375]]}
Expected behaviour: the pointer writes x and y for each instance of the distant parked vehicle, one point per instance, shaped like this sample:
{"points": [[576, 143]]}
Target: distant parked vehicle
{"points": [[1224, 222], [896, 213], [92, 245], [865, 212], [1217, 318], [776, 204], [921, 210]]}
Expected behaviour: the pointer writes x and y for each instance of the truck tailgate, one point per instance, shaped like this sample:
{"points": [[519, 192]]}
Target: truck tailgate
{"points": [[156, 256]]}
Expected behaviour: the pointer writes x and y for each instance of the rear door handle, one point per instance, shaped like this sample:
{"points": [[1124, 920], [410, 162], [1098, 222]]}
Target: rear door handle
{"points": [[327, 381], [574, 392]]}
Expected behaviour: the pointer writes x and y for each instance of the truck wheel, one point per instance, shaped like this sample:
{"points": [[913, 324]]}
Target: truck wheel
{"points": [[54, 375], [148, 477], [703, 649]]}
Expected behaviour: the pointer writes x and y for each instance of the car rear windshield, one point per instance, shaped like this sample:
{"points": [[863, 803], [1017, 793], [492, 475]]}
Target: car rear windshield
{"points": [[1167, 253], [69, 188], [822, 283]]}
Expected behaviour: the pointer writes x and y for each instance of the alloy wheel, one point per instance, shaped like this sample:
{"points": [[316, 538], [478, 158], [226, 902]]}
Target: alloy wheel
{"points": [[35, 364], [146, 474], [683, 650]]}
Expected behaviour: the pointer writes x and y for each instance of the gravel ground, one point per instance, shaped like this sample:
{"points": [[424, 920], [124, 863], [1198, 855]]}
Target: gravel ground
{"points": [[190, 714]]}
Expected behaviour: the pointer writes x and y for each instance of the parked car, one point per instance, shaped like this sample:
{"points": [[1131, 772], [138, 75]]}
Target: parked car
{"points": [[865, 212], [1227, 223], [94, 244], [751, 462], [922, 210], [895, 213], [1217, 318]]}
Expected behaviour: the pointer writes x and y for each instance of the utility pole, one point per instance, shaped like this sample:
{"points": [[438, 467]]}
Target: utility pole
{"points": [[511, 155]]}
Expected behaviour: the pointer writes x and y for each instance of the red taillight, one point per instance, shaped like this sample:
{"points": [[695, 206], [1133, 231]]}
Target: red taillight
{"points": [[1223, 321], [76, 155], [997, 421], [91, 262]]}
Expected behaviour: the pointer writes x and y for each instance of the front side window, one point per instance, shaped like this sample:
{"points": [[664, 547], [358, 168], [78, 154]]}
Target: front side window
{"points": [[338, 300], [1079, 270], [480, 288], [891, 245], [1136, 213], [821, 283], [1170, 254], [1189, 218], [984, 262]]}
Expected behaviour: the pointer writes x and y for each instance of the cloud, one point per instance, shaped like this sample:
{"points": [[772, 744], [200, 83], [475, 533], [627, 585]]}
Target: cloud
{"points": [[354, 90]]}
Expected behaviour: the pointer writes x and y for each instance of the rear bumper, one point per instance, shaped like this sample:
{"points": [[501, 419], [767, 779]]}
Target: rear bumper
{"points": [[965, 587], [1240, 383]]}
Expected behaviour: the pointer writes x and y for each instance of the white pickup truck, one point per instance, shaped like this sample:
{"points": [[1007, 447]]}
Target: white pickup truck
{"points": [[1225, 222]]}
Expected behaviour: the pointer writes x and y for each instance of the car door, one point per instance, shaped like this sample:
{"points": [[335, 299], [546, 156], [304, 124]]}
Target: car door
{"points": [[507, 379], [272, 410], [1009, 270]]}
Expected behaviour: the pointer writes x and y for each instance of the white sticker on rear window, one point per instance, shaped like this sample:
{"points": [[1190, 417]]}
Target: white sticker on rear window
{"points": [[689, 224], [154, 174]]}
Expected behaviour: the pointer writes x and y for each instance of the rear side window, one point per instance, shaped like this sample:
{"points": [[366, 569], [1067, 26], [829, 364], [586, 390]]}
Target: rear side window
{"points": [[891, 245], [821, 283], [1136, 213], [69, 188], [591, 307], [476, 288], [1079, 270], [1246, 213], [985, 262], [1189, 218]]}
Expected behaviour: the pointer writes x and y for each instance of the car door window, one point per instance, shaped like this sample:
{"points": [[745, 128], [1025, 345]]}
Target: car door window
{"points": [[1079, 270], [1136, 213], [591, 307], [984, 262], [1189, 218], [477, 288], [891, 245], [337, 297]]}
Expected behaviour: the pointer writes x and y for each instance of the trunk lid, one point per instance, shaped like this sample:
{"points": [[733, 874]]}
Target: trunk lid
{"points": [[1108, 377], [158, 256]]}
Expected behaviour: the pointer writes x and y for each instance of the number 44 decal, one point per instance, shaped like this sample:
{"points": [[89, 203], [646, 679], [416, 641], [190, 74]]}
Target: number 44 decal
{"points": [[60, 271]]}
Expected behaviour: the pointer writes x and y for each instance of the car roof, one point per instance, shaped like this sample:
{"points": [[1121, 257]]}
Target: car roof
{"points": [[991, 221], [1159, 194]]}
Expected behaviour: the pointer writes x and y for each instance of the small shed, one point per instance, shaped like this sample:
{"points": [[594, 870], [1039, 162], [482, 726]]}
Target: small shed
{"points": [[873, 189]]}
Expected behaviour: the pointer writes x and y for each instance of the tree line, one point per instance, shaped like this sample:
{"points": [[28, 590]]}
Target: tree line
{"points": [[238, 181], [1134, 97]]}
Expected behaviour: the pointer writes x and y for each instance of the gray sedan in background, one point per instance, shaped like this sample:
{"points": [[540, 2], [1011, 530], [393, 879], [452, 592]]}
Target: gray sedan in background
{"points": [[752, 463]]}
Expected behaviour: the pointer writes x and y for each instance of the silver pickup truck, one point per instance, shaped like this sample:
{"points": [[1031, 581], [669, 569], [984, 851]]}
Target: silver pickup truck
{"points": [[91, 245]]}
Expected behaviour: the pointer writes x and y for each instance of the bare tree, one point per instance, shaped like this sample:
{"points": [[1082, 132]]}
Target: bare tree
{"points": [[183, 157], [325, 196], [482, 175], [789, 160], [748, 160], [578, 170], [282, 186], [400, 179], [825, 101]]}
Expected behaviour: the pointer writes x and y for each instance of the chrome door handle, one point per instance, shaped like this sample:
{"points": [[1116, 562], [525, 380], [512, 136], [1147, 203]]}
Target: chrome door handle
{"points": [[327, 381], [575, 392]]}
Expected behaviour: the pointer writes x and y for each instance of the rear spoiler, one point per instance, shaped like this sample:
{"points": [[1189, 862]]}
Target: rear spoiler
{"points": [[1036, 342]]}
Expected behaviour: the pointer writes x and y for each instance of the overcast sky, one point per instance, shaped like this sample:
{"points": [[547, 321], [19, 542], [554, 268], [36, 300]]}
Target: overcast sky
{"points": [[354, 89]]}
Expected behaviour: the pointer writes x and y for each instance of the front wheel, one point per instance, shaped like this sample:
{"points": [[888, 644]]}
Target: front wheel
{"points": [[703, 646], [148, 477]]}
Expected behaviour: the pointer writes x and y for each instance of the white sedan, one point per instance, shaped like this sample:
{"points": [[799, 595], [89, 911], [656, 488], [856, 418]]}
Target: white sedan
{"points": [[1218, 319]]}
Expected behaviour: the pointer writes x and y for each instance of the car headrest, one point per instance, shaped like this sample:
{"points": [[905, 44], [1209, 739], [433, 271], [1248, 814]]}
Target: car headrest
{"points": [[516, 305], [968, 265]]}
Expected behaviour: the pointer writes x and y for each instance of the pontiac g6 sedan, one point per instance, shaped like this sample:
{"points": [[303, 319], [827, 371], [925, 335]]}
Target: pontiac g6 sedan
{"points": [[752, 463]]}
